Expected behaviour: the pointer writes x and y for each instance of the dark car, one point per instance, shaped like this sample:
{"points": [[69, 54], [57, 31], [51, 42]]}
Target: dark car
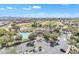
{"points": [[52, 44], [30, 44], [62, 50]]}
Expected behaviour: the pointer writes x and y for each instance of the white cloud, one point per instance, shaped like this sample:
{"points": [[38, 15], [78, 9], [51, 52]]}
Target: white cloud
{"points": [[36, 7], [26, 8], [2, 8], [10, 8], [31, 7]]}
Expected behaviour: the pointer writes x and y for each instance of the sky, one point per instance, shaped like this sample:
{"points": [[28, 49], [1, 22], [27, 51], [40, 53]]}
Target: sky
{"points": [[39, 10]]}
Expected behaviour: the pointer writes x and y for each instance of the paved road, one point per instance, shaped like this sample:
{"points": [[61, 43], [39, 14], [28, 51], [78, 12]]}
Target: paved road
{"points": [[46, 49]]}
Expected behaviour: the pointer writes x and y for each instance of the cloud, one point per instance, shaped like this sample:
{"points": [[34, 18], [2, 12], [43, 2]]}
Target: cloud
{"points": [[10, 8], [26, 8], [2, 8], [36, 7], [31, 7]]}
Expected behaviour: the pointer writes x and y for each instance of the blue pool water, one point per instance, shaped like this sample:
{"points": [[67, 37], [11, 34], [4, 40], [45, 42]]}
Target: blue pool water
{"points": [[24, 35]]}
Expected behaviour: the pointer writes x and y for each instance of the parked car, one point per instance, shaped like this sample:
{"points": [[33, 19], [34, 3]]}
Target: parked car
{"points": [[30, 44], [62, 50]]}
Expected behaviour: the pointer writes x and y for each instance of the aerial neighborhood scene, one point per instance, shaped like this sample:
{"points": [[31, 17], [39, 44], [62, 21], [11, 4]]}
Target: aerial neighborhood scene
{"points": [[39, 28]]}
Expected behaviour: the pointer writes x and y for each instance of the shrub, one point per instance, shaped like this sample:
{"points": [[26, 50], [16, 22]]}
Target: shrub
{"points": [[32, 36]]}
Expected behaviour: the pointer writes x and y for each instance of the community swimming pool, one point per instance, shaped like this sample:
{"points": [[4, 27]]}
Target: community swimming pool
{"points": [[24, 35]]}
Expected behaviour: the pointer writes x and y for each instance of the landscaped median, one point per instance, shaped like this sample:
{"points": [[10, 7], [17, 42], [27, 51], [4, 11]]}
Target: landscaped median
{"points": [[13, 43]]}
